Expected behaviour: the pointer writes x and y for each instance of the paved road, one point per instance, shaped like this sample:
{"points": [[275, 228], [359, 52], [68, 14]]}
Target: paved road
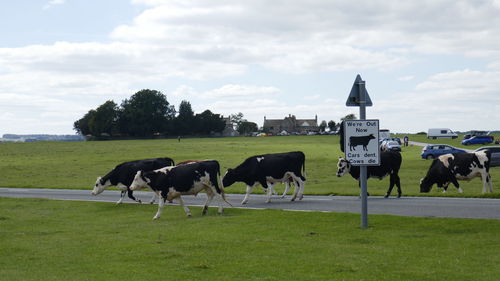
{"points": [[406, 206]]}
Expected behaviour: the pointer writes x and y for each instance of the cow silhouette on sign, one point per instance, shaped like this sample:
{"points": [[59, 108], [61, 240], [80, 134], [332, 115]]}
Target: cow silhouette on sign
{"points": [[361, 140]]}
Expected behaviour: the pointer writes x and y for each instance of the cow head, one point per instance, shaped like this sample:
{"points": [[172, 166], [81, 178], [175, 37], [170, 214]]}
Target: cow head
{"points": [[343, 167], [425, 185], [141, 181], [100, 185], [229, 178]]}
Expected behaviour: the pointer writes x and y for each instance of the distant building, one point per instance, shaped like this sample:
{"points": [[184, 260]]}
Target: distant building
{"points": [[291, 125]]}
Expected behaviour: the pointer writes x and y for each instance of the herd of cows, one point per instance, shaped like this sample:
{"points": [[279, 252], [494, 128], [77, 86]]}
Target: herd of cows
{"points": [[169, 181]]}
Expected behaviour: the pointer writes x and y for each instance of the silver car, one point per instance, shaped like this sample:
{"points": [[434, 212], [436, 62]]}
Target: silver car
{"points": [[495, 154]]}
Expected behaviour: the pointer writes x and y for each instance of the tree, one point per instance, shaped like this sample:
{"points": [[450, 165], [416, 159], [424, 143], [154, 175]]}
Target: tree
{"points": [[81, 126], [207, 122], [349, 117], [104, 120], [146, 113], [185, 121], [322, 126], [332, 125], [236, 119], [246, 127]]}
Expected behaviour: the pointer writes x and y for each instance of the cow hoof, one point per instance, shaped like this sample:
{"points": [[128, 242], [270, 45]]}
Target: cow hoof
{"points": [[155, 218], [244, 202], [386, 196], [399, 195]]}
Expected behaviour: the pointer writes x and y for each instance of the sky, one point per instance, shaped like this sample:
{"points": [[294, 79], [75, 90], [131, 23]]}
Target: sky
{"points": [[427, 64]]}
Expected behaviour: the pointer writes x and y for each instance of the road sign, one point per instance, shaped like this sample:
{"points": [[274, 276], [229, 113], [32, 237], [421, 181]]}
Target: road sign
{"points": [[361, 143], [357, 91]]}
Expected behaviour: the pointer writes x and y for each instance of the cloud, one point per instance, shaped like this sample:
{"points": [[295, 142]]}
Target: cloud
{"points": [[53, 3], [461, 100], [406, 78], [235, 91]]}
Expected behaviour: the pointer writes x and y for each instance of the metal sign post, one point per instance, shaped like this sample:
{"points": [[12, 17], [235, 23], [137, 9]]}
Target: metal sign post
{"points": [[359, 97]]}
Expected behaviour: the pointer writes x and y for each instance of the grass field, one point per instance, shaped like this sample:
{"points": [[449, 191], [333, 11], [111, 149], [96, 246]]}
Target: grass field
{"points": [[78, 164], [60, 240]]}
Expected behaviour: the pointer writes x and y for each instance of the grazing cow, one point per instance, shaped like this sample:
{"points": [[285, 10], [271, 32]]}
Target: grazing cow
{"points": [[268, 169], [123, 175], [364, 140], [189, 179], [449, 168], [390, 162]]}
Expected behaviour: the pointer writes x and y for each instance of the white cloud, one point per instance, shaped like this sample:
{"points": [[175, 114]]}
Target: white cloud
{"points": [[461, 100], [53, 3], [406, 78], [235, 91]]}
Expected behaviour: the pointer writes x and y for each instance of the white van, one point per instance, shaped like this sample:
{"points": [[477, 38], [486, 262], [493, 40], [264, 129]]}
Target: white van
{"points": [[384, 134], [435, 133]]}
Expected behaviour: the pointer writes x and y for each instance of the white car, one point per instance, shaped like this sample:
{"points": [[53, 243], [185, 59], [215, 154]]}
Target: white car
{"points": [[390, 145]]}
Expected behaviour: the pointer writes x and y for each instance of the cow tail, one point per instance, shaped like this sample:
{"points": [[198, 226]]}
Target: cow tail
{"points": [[221, 186], [304, 167]]}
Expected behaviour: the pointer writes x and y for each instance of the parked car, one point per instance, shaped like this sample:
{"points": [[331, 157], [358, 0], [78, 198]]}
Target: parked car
{"points": [[495, 154], [398, 140], [390, 145], [478, 140], [432, 151], [475, 133]]}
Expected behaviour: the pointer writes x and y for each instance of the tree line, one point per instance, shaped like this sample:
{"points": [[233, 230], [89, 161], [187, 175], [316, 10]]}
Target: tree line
{"points": [[147, 113]]}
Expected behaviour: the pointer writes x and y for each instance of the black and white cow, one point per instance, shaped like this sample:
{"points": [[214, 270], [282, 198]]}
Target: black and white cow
{"points": [[268, 169], [449, 168], [188, 179], [390, 163], [364, 140], [123, 174]]}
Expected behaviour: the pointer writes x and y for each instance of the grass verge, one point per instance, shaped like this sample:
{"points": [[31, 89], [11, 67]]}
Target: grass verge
{"points": [[61, 240]]}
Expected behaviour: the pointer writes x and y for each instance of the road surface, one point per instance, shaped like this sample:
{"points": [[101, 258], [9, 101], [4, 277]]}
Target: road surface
{"points": [[407, 206]]}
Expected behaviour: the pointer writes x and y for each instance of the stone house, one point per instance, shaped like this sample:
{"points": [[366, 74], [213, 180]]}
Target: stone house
{"points": [[291, 124]]}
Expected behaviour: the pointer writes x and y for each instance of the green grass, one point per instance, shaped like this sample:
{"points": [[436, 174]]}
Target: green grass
{"points": [[78, 164], [60, 240]]}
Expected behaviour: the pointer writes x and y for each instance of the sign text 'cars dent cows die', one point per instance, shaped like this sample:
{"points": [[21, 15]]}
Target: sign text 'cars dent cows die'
{"points": [[362, 142]]}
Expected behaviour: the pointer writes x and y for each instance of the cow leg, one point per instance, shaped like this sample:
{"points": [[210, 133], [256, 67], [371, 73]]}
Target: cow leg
{"points": [[287, 187], [299, 189], [488, 179], [270, 188], [398, 184], [153, 198], [181, 202], [301, 185], [391, 186], [456, 184], [131, 195], [122, 195], [249, 190], [161, 204], [210, 196]]}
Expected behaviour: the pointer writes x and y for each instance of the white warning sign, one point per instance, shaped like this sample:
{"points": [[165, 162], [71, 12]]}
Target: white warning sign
{"points": [[361, 143]]}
